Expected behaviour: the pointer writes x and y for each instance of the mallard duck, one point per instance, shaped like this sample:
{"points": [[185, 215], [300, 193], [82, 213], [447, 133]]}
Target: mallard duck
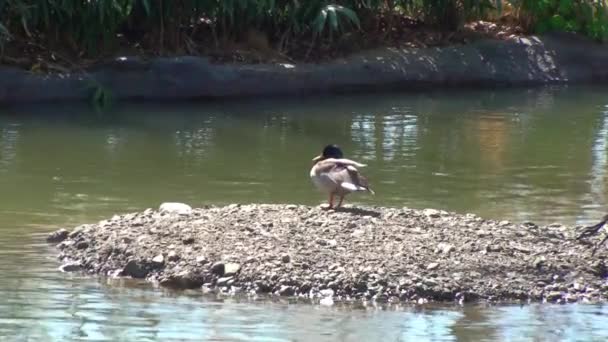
{"points": [[592, 230], [334, 174]]}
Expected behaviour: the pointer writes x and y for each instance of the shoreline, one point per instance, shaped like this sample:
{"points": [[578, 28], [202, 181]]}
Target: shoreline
{"points": [[392, 255], [524, 61]]}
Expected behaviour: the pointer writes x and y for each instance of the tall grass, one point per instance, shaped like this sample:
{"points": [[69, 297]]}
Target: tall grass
{"points": [[90, 26]]}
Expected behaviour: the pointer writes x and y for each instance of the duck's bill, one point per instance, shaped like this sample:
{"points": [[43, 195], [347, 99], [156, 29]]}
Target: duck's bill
{"points": [[317, 158]]}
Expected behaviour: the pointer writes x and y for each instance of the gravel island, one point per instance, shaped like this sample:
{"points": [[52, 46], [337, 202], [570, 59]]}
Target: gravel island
{"points": [[354, 253]]}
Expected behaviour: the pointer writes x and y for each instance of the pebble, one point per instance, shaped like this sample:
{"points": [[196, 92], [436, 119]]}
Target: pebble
{"points": [[175, 208], [159, 259], [432, 266], [58, 236]]}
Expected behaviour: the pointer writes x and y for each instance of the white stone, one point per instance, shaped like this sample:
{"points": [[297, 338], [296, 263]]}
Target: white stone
{"points": [[175, 207]]}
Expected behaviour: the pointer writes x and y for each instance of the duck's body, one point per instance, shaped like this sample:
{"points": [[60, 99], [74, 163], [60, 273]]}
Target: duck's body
{"points": [[337, 176]]}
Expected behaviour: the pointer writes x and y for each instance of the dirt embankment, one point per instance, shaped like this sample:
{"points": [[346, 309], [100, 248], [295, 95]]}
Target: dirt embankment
{"points": [[550, 59], [371, 253]]}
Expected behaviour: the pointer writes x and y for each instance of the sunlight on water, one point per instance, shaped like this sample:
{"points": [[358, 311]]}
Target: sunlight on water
{"points": [[535, 155]]}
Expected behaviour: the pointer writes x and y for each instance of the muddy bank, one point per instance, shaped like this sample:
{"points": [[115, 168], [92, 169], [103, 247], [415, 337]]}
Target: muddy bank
{"points": [[556, 58], [371, 253]]}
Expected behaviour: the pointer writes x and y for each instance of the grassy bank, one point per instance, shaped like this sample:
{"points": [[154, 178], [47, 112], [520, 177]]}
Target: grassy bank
{"points": [[57, 35]]}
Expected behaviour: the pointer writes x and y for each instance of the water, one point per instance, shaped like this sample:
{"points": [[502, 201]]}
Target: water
{"points": [[538, 155]]}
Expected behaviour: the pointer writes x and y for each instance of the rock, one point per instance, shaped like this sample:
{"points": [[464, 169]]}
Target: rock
{"points": [[431, 213], [327, 301], [445, 248], [58, 236], [159, 259], [493, 248], [327, 293], [285, 258], [538, 262], [553, 296], [134, 269], [188, 240], [218, 268], [70, 267], [184, 280], [82, 245], [231, 269], [570, 298], [175, 208], [173, 256], [432, 266], [224, 281], [286, 291], [201, 259]]}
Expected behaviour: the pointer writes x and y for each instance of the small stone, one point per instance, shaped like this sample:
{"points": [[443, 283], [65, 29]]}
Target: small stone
{"points": [[188, 240], [82, 245], [327, 293], [291, 206], [175, 208], [493, 248], [504, 223], [172, 256], [327, 301], [58, 236], [431, 213], [482, 233], [224, 281], [201, 259], [538, 262], [231, 269], [553, 296], [134, 270], [445, 248], [159, 259], [570, 298], [218, 268], [286, 291], [70, 267], [285, 258], [430, 282], [432, 266]]}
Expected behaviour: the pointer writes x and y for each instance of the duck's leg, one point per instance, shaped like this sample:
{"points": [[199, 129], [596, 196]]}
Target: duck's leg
{"points": [[599, 244], [340, 203], [331, 201]]}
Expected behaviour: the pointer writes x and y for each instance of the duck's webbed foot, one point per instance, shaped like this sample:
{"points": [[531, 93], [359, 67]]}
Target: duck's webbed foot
{"points": [[591, 230]]}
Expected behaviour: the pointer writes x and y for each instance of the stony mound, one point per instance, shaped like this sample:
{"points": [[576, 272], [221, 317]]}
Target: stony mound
{"points": [[371, 253]]}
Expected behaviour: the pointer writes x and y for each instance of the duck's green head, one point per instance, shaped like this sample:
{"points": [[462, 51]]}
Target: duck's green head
{"points": [[330, 151]]}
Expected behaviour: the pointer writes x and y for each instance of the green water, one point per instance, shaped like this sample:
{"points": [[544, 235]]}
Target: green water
{"points": [[538, 155]]}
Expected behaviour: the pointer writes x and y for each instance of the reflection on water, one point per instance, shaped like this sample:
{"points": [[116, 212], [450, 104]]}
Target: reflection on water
{"points": [[535, 155]]}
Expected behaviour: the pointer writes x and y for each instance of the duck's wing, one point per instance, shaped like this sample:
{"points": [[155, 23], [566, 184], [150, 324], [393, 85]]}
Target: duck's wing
{"points": [[347, 176]]}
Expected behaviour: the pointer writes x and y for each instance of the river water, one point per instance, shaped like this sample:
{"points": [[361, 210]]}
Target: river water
{"points": [[538, 155]]}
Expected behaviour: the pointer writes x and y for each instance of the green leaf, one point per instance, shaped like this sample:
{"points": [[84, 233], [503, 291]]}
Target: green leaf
{"points": [[333, 18], [319, 23], [350, 14], [146, 4]]}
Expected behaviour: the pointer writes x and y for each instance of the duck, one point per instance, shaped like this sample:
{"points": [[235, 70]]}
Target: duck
{"points": [[593, 230], [337, 176]]}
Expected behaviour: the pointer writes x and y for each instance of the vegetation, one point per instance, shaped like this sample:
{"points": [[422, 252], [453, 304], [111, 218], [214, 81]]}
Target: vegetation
{"points": [[87, 28]]}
